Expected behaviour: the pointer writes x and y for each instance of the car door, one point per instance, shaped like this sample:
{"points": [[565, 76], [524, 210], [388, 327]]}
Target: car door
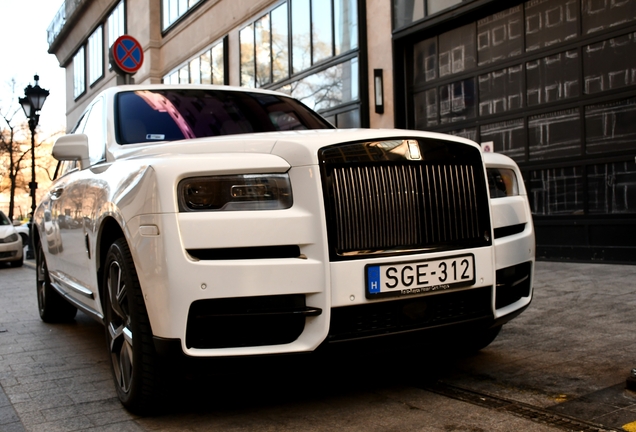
{"points": [[51, 236], [75, 259]]}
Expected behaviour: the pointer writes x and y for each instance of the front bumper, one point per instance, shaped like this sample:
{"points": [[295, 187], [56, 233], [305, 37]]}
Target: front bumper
{"points": [[260, 302], [11, 251]]}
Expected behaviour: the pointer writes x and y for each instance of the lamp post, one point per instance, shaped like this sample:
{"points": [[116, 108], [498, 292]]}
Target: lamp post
{"points": [[32, 102]]}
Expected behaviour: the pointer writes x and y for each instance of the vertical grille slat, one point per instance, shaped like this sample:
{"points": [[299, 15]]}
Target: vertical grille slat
{"points": [[388, 206], [378, 204]]}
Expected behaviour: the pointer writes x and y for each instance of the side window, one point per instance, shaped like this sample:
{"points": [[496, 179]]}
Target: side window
{"points": [[65, 167], [96, 132], [79, 126]]}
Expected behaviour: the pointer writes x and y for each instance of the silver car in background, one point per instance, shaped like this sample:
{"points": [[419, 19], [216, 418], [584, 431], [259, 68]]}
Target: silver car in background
{"points": [[10, 243]]}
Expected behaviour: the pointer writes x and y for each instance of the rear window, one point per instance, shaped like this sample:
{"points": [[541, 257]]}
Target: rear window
{"points": [[176, 114]]}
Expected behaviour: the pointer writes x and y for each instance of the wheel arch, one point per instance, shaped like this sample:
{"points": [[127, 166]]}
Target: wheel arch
{"points": [[35, 234], [110, 232]]}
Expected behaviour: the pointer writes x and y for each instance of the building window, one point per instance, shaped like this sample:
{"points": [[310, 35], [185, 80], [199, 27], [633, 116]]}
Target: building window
{"points": [[172, 10], [246, 38], [79, 73], [320, 30], [322, 33], [116, 23], [95, 55], [307, 48], [207, 67], [328, 88], [406, 12], [554, 92]]}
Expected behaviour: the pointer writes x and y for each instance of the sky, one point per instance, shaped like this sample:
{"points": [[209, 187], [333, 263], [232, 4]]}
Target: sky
{"points": [[23, 25]]}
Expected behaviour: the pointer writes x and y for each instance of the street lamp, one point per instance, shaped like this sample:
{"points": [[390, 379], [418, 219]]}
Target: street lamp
{"points": [[32, 102]]}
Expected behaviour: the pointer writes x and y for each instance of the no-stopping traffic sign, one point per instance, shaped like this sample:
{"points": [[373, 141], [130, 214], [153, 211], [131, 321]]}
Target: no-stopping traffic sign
{"points": [[126, 55]]}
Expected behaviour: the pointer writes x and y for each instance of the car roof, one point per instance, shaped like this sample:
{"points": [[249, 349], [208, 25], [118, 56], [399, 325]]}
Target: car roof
{"points": [[151, 87]]}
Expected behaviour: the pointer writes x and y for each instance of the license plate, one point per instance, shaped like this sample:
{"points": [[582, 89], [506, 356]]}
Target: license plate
{"points": [[418, 277]]}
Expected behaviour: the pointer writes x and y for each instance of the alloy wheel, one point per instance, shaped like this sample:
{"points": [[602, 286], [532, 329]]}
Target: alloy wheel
{"points": [[119, 327]]}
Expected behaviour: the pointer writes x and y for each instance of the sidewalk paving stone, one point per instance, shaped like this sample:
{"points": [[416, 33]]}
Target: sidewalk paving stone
{"points": [[569, 353]]}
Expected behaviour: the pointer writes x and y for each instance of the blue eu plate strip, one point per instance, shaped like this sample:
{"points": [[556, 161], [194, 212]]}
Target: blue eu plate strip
{"points": [[373, 279]]}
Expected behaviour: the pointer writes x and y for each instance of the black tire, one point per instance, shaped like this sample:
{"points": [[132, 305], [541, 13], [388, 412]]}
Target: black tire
{"points": [[134, 362], [52, 306]]}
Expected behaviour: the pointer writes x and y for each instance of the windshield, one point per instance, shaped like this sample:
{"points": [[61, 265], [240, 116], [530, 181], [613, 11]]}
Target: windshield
{"points": [[4, 220], [175, 114]]}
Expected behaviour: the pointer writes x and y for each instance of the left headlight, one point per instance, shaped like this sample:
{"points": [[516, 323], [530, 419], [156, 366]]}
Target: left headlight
{"points": [[235, 193], [10, 239], [502, 182]]}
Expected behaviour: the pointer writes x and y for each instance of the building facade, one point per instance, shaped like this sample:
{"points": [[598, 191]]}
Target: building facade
{"points": [[550, 83]]}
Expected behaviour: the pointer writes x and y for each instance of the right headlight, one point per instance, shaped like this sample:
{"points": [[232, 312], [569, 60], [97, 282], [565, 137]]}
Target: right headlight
{"points": [[235, 193], [502, 182]]}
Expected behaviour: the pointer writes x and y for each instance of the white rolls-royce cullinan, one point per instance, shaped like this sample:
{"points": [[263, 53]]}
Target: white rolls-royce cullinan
{"points": [[224, 222]]}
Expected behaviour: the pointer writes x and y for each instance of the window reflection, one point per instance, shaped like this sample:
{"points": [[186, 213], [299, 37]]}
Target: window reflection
{"points": [[263, 51], [435, 6], [79, 73], [280, 42], [172, 10], [345, 25], [96, 56], [348, 119], [301, 40], [206, 68], [184, 75], [406, 12], [318, 33], [328, 88], [457, 101], [95, 131], [195, 71], [457, 50], [116, 23], [425, 61], [246, 37], [321, 30], [176, 114], [218, 65]]}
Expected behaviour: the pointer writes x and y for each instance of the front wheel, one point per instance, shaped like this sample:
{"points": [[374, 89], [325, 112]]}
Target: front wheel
{"points": [[52, 306], [128, 333]]}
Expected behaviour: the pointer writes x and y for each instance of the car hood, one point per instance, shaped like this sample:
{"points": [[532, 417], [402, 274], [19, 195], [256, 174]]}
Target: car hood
{"points": [[6, 231], [296, 147]]}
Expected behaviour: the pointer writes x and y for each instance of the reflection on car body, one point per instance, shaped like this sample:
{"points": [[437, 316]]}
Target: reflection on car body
{"points": [[218, 222]]}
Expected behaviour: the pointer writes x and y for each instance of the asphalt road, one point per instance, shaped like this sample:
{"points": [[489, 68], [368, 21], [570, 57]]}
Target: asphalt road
{"points": [[560, 366]]}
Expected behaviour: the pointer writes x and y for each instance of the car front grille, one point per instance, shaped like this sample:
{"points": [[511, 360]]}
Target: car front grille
{"points": [[379, 203]]}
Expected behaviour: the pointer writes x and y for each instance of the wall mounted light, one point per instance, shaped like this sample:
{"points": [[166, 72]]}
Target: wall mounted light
{"points": [[378, 86]]}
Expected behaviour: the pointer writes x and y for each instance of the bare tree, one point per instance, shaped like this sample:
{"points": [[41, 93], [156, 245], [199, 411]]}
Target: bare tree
{"points": [[12, 154], [15, 149]]}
